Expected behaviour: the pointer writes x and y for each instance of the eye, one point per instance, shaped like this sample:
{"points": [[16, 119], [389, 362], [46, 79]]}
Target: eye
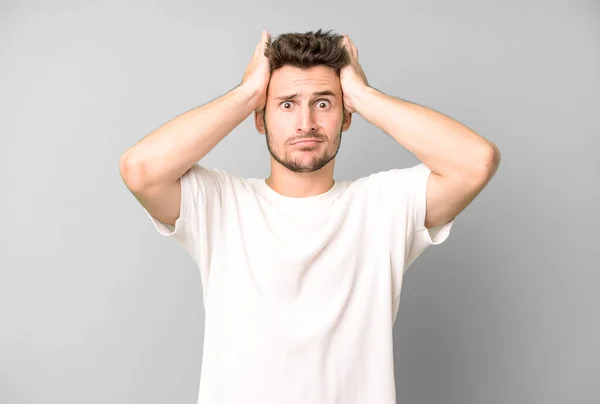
{"points": [[284, 104], [321, 102]]}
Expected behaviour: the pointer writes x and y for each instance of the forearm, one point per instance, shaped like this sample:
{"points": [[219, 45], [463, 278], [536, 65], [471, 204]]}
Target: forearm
{"points": [[169, 151], [446, 146]]}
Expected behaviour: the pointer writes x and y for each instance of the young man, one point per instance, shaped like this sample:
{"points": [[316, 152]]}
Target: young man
{"points": [[302, 273]]}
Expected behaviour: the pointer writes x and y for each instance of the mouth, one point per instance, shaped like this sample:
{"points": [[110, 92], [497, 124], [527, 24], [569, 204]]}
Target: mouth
{"points": [[307, 141]]}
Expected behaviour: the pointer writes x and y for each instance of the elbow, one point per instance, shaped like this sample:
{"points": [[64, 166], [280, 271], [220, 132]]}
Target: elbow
{"points": [[489, 161], [133, 171], [493, 158]]}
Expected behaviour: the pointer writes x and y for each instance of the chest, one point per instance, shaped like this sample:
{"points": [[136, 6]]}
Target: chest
{"points": [[300, 263]]}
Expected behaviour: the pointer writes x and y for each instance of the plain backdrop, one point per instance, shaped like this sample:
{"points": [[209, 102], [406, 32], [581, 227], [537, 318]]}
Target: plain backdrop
{"points": [[97, 307]]}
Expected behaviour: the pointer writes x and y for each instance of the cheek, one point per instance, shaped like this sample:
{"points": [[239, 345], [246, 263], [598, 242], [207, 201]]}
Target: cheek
{"points": [[278, 136], [279, 130], [330, 124]]}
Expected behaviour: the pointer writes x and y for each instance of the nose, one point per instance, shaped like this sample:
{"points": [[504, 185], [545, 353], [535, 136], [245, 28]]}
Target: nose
{"points": [[306, 123]]}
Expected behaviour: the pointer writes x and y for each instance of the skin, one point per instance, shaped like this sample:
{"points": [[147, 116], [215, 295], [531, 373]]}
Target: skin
{"points": [[301, 170], [461, 161]]}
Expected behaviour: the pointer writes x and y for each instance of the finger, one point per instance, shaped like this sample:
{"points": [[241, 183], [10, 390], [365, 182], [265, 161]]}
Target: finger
{"points": [[350, 46], [266, 41], [346, 42], [353, 47], [260, 46], [266, 38]]}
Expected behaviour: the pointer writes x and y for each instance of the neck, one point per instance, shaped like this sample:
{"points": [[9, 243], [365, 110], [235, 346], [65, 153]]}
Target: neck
{"points": [[300, 185]]}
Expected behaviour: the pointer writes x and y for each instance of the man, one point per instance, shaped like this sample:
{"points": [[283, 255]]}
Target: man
{"points": [[302, 273]]}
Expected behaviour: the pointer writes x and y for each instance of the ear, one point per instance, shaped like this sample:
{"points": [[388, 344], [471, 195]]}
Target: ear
{"points": [[347, 121], [259, 121]]}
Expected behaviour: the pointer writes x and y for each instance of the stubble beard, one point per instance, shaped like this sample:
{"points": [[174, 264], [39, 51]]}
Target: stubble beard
{"points": [[298, 165]]}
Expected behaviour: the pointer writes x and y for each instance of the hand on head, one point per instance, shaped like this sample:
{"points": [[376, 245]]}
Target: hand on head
{"points": [[258, 73], [352, 76]]}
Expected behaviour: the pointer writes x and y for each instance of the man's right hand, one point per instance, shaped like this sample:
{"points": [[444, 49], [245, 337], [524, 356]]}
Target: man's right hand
{"points": [[258, 73]]}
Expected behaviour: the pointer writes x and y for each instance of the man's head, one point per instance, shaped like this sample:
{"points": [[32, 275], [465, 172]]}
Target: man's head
{"points": [[304, 100]]}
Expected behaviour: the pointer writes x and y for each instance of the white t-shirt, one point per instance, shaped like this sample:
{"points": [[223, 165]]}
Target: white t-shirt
{"points": [[301, 294]]}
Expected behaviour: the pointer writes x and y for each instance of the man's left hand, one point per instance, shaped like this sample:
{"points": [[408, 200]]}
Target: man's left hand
{"points": [[352, 77]]}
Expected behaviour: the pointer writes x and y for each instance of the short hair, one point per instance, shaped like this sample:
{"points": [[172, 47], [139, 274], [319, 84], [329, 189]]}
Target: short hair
{"points": [[305, 50]]}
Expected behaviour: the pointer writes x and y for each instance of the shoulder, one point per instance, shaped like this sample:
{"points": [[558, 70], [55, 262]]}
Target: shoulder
{"points": [[396, 178], [222, 181], [199, 172], [406, 173]]}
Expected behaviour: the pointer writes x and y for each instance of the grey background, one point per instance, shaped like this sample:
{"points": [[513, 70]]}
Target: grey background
{"points": [[96, 307]]}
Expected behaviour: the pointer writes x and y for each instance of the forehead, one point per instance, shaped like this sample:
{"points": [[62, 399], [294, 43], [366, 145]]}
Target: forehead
{"points": [[290, 79]]}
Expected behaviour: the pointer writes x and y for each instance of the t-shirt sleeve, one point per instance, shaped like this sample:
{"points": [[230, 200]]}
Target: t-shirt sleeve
{"points": [[404, 194], [420, 237], [200, 212]]}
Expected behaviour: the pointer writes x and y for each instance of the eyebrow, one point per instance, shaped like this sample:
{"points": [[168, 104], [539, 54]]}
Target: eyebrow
{"points": [[316, 94]]}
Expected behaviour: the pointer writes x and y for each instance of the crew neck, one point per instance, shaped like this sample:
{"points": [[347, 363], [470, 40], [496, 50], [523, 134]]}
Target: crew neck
{"points": [[273, 195]]}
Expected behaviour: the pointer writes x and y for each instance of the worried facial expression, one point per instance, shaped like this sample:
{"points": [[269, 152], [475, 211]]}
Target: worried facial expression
{"points": [[304, 117]]}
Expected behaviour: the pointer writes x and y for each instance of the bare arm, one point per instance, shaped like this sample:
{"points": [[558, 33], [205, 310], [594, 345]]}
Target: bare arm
{"points": [[152, 168], [462, 162], [167, 153]]}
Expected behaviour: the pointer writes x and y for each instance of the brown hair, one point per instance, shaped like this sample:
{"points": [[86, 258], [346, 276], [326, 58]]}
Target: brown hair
{"points": [[305, 50]]}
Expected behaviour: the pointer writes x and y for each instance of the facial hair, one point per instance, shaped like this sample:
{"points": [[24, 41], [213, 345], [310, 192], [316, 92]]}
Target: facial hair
{"points": [[298, 166]]}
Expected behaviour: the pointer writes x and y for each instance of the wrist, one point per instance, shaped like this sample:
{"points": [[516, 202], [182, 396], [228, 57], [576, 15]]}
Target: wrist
{"points": [[356, 97], [360, 95], [251, 96]]}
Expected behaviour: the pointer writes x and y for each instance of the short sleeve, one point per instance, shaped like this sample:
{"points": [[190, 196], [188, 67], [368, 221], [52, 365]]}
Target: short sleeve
{"points": [[200, 213], [403, 204], [419, 237]]}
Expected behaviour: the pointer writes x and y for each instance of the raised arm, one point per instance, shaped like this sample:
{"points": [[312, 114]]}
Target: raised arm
{"points": [[462, 162], [168, 152], [151, 168]]}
